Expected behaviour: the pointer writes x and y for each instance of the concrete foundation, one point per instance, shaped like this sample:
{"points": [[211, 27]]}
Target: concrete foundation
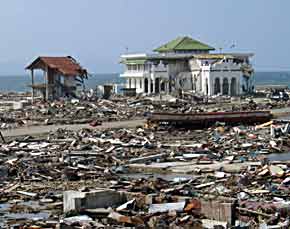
{"points": [[102, 198]]}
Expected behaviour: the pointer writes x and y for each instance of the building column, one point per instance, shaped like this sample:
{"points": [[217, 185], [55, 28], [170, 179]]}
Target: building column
{"points": [[238, 86], [167, 87], [143, 85], [32, 85], [209, 86], [149, 85], [138, 84], [135, 83], [230, 88], [129, 82], [221, 85], [153, 85]]}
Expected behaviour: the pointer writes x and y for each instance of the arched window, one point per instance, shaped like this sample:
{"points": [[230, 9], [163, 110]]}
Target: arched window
{"points": [[162, 86], [234, 87], [146, 85], [217, 86], [157, 82], [225, 86]]}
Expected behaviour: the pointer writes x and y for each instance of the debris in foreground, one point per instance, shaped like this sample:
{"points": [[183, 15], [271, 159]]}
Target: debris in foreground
{"points": [[152, 178]]}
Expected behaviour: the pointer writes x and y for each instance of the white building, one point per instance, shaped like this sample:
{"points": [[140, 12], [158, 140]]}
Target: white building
{"points": [[187, 64]]}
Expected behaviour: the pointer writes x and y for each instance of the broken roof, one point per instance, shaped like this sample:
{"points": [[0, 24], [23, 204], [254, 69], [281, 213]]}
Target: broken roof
{"points": [[67, 66], [183, 44]]}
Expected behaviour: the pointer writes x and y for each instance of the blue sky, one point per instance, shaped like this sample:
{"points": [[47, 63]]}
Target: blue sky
{"points": [[96, 32]]}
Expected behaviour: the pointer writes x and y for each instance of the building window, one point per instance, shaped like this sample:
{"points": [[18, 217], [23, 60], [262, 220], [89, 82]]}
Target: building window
{"points": [[234, 87], [217, 86], [140, 83], [225, 86]]}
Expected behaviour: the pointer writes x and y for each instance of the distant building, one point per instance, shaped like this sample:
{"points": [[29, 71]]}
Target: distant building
{"points": [[187, 64], [61, 77]]}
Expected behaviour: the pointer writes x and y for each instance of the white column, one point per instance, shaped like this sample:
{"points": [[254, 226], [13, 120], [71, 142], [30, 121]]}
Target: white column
{"points": [[143, 85], [128, 83], [149, 85], [153, 85], [238, 86], [221, 85], [209, 86], [138, 85], [230, 82], [203, 82]]}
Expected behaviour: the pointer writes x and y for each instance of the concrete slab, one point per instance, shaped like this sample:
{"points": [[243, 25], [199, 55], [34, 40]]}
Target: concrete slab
{"points": [[189, 167], [102, 198]]}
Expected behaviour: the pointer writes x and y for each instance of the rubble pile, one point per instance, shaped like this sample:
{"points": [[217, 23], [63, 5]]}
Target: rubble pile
{"points": [[72, 112], [147, 178], [118, 108], [9, 123]]}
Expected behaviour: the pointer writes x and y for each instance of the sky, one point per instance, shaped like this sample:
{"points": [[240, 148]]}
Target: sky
{"points": [[97, 32]]}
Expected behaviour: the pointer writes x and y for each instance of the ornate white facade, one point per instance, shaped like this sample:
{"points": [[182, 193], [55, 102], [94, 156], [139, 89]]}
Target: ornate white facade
{"points": [[199, 71]]}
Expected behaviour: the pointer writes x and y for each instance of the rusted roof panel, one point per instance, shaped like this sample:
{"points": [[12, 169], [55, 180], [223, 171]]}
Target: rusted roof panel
{"points": [[64, 65]]}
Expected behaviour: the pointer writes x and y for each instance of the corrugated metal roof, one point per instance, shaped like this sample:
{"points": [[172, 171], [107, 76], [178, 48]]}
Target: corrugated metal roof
{"points": [[64, 65]]}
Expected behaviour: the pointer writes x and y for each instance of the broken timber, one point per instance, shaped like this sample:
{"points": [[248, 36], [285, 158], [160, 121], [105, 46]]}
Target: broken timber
{"points": [[205, 119], [2, 138]]}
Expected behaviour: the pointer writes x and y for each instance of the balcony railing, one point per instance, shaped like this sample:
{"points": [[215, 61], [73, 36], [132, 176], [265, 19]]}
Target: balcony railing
{"points": [[159, 68]]}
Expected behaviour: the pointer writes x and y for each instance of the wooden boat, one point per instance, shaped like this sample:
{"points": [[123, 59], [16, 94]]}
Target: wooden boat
{"points": [[209, 118]]}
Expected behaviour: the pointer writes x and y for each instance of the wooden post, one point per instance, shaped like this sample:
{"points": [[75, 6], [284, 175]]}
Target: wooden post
{"points": [[32, 85], [47, 86]]}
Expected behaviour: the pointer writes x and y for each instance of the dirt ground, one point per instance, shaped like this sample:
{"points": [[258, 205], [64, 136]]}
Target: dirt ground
{"points": [[36, 130]]}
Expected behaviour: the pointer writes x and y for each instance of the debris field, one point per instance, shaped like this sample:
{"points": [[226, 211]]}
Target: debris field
{"points": [[147, 177]]}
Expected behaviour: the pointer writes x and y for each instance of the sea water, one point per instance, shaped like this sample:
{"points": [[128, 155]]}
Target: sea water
{"points": [[20, 83]]}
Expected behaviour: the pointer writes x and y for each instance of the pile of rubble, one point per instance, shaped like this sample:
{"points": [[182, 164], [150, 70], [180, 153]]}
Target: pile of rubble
{"points": [[145, 178], [118, 108], [72, 112]]}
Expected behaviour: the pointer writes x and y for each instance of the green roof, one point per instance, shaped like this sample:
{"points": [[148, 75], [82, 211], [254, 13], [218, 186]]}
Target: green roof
{"points": [[134, 61], [183, 44]]}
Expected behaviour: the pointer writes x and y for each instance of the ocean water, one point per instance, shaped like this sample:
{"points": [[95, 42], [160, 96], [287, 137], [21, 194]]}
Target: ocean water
{"points": [[20, 83], [275, 78]]}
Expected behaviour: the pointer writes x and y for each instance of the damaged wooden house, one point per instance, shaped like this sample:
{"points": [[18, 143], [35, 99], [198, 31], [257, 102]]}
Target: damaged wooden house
{"points": [[62, 76]]}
